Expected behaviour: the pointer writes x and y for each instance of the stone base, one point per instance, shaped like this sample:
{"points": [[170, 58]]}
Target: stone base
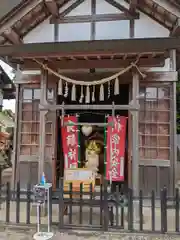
{"points": [[43, 210]]}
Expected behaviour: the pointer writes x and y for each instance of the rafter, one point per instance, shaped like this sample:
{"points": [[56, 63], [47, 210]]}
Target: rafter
{"points": [[52, 7], [176, 29], [20, 14], [121, 8], [12, 36]]}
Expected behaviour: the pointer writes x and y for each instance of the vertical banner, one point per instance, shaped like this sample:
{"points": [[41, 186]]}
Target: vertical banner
{"points": [[70, 142], [116, 139]]}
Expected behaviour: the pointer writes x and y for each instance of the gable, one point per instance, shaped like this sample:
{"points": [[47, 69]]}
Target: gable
{"points": [[24, 23], [145, 27]]}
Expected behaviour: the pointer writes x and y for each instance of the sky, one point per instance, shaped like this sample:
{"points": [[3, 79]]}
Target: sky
{"points": [[8, 104]]}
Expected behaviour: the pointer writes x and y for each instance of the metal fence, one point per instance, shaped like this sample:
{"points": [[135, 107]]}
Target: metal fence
{"points": [[101, 210]]}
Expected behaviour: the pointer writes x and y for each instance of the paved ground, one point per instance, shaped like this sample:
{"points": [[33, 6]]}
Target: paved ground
{"points": [[28, 235], [86, 217]]}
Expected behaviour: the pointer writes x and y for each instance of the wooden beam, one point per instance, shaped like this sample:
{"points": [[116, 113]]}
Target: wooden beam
{"points": [[93, 24], [122, 8], [54, 107], [69, 9], [90, 48], [89, 64], [159, 77], [52, 7], [132, 5], [176, 29], [20, 14], [12, 36], [118, 6], [92, 18]]}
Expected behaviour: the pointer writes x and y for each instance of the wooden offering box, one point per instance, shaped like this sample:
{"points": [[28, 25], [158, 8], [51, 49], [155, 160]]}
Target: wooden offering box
{"points": [[78, 176]]}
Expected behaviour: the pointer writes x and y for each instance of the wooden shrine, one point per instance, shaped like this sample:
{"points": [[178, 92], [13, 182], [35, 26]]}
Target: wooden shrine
{"points": [[94, 59]]}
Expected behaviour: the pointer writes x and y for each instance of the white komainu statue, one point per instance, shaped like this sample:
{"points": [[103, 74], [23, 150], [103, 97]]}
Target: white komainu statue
{"points": [[92, 156]]}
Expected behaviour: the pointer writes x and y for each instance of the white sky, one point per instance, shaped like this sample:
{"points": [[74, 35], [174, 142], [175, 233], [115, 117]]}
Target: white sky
{"points": [[8, 104]]}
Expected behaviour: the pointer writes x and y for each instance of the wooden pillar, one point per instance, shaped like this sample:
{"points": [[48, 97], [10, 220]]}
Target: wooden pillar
{"points": [[93, 24], [56, 32], [131, 28], [1, 99], [15, 138], [173, 134], [130, 141], [130, 127], [135, 136], [42, 130], [173, 60]]}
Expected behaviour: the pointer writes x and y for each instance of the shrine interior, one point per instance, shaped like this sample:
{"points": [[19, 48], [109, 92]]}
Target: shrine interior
{"points": [[92, 116]]}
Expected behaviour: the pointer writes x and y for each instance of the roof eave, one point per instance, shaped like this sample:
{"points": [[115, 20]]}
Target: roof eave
{"points": [[85, 48]]}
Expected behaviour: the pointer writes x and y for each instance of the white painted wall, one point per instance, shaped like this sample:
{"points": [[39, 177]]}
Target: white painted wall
{"points": [[42, 33], [145, 27], [74, 32], [112, 30]]}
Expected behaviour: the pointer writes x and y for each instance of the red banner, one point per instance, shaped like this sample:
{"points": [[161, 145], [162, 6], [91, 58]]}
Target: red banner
{"points": [[116, 139], [70, 142]]}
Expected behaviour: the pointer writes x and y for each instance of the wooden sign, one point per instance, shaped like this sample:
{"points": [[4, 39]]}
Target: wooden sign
{"points": [[77, 176]]}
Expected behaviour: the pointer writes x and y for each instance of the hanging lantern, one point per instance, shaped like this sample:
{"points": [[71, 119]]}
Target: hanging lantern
{"points": [[86, 130]]}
